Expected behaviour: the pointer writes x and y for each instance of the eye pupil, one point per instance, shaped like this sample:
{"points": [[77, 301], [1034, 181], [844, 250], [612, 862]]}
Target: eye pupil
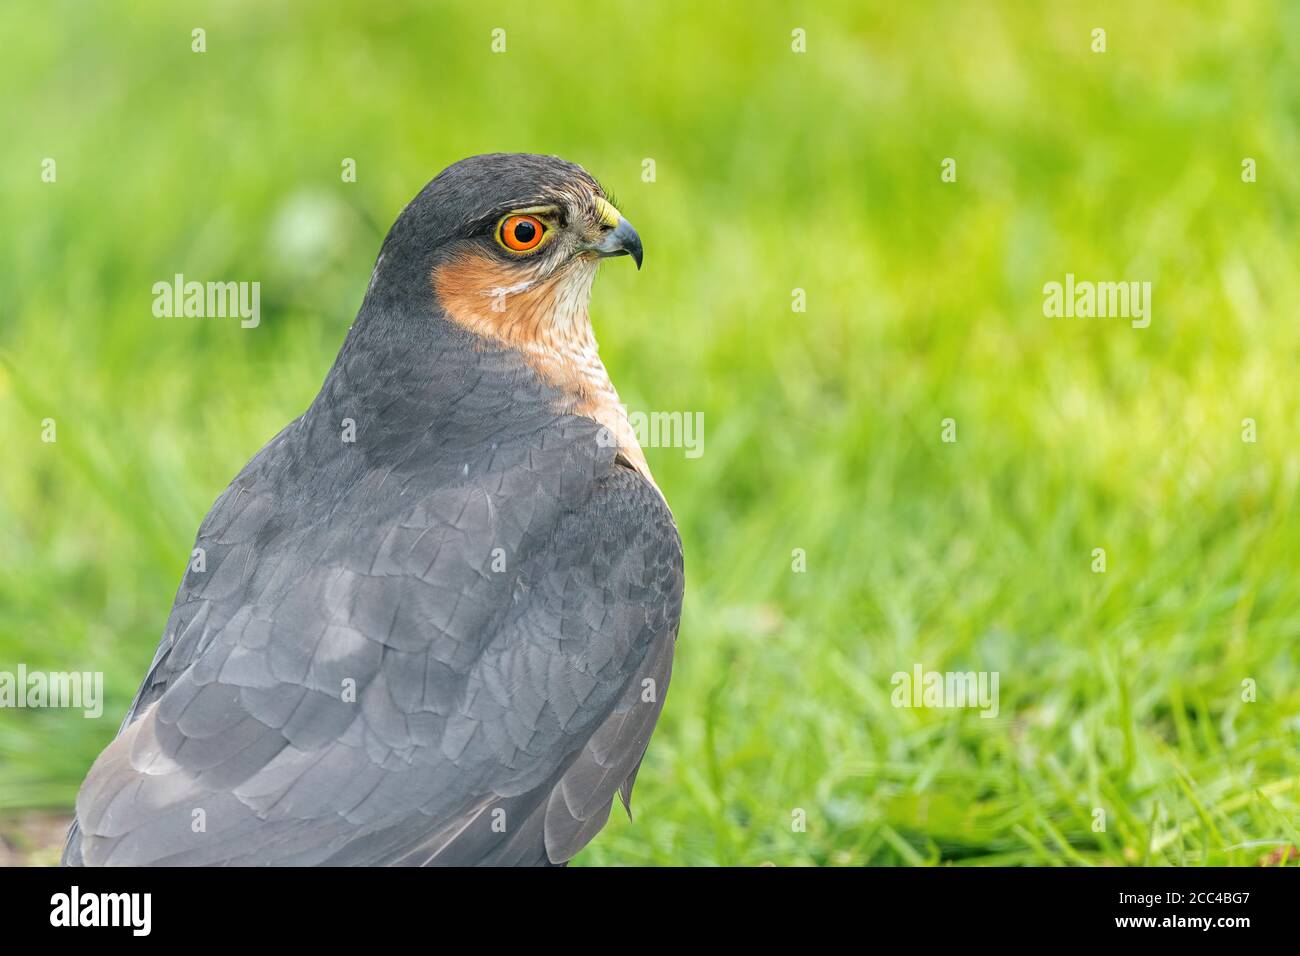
{"points": [[524, 232]]}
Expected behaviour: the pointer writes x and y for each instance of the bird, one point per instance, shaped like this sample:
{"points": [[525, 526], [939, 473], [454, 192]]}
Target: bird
{"points": [[432, 621]]}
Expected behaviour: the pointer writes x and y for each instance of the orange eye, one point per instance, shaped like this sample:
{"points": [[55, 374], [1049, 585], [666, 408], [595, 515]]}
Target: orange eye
{"points": [[521, 233]]}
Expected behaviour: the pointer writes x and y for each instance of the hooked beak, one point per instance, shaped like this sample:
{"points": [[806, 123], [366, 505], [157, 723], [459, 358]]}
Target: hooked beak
{"points": [[622, 240]]}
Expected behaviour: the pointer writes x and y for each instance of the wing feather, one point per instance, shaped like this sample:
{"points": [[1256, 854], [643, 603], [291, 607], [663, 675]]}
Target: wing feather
{"points": [[492, 717]]}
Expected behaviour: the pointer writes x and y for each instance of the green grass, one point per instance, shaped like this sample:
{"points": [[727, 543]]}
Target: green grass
{"points": [[1120, 691]]}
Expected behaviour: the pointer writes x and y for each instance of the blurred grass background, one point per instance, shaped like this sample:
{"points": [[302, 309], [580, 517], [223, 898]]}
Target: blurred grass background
{"points": [[774, 171]]}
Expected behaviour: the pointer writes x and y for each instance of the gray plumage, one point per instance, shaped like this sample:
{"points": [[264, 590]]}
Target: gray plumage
{"points": [[497, 712]]}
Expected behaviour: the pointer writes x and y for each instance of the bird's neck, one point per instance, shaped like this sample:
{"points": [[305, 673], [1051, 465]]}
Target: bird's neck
{"points": [[547, 323]]}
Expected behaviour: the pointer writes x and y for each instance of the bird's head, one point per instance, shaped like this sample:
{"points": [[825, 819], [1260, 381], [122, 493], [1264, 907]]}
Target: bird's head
{"points": [[508, 245]]}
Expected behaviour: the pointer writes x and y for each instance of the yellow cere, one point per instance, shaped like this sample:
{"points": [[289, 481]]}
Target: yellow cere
{"points": [[609, 216]]}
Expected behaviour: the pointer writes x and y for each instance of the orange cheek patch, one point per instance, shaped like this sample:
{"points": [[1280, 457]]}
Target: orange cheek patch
{"points": [[483, 295], [547, 323], [545, 319]]}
